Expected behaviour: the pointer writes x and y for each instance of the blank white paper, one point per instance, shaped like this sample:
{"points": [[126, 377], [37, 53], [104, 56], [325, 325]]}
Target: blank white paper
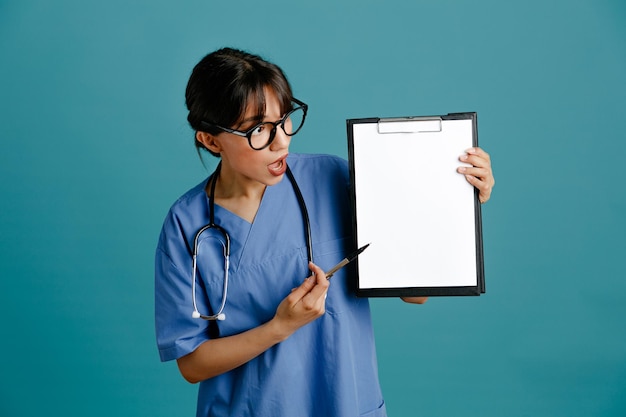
{"points": [[414, 208]]}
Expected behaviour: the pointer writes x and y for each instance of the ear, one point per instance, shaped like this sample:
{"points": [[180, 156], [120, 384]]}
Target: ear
{"points": [[209, 141]]}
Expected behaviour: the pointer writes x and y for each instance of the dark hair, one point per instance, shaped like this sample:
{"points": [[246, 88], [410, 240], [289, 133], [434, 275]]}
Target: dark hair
{"points": [[225, 82]]}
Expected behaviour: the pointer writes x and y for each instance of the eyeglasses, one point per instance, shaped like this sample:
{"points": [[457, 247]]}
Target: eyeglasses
{"points": [[262, 135]]}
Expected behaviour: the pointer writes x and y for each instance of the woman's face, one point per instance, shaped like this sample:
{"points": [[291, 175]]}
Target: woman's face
{"points": [[241, 162]]}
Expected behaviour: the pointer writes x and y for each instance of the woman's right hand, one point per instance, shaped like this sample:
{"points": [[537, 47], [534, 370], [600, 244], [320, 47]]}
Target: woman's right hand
{"points": [[216, 356], [305, 303]]}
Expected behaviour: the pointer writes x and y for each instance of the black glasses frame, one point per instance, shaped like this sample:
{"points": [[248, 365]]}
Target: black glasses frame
{"points": [[248, 133]]}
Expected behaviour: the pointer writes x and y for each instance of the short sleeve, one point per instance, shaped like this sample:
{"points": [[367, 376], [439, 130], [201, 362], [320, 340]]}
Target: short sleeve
{"points": [[177, 332]]}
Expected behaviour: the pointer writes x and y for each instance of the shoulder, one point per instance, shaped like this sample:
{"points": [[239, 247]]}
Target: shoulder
{"points": [[190, 201], [185, 213], [316, 158], [319, 166]]}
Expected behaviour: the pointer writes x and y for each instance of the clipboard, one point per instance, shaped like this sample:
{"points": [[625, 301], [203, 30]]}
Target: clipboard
{"points": [[421, 218]]}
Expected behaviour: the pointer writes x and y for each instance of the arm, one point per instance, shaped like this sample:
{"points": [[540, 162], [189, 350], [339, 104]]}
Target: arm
{"points": [[214, 357], [414, 300]]}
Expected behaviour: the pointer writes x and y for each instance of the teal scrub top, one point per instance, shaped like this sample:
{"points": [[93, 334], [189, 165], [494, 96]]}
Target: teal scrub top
{"points": [[326, 368]]}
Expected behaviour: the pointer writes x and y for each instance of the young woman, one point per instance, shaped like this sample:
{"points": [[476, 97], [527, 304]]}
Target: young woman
{"points": [[233, 306]]}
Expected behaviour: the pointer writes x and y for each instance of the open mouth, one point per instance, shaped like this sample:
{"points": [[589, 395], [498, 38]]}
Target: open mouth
{"points": [[278, 167]]}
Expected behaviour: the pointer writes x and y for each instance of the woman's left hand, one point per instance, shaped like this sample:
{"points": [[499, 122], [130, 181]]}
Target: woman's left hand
{"points": [[479, 174]]}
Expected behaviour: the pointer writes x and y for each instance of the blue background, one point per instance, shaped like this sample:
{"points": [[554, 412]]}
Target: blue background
{"points": [[95, 148]]}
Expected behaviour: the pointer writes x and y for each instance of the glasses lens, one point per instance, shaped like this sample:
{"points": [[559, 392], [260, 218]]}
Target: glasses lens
{"points": [[261, 135], [294, 121]]}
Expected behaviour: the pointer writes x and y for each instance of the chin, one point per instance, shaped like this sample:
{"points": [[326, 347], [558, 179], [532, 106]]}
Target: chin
{"points": [[274, 180]]}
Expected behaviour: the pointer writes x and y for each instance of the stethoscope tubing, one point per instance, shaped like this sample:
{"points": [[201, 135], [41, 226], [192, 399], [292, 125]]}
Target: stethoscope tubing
{"points": [[220, 313], [226, 244]]}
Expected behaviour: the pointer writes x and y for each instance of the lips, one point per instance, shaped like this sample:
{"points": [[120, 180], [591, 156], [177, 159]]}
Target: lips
{"points": [[278, 167]]}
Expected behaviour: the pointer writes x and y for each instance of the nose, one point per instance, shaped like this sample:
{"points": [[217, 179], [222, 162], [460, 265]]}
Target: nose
{"points": [[281, 140]]}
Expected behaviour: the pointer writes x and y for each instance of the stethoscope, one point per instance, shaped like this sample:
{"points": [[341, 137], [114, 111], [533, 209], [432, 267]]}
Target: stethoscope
{"points": [[226, 243]]}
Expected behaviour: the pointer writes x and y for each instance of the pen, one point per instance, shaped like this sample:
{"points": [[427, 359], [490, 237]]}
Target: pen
{"points": [[345, 261]]}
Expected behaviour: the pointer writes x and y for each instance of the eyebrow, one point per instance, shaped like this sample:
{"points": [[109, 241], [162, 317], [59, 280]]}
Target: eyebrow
{"points": [[257, 119], [248, 120], [252, 119]]}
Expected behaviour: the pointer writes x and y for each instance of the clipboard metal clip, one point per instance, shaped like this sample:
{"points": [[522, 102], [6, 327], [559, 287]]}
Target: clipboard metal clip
{"points": [[410, 124]]}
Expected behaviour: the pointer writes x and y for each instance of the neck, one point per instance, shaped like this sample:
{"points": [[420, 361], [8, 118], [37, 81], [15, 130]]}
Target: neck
{"points": [[238, 195], [234, 186]]}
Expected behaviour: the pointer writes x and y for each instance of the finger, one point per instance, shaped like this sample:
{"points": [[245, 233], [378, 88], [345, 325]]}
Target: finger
{"points": [[476, 161], [319, 273], [299, 292], [477, 157], [481, 173], [478, 152], [481, 185], [321, 285], [318, 279], [484, 189]]}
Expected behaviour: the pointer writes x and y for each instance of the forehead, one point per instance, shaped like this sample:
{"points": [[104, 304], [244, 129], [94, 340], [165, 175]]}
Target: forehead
{"points": [[263, 104]]}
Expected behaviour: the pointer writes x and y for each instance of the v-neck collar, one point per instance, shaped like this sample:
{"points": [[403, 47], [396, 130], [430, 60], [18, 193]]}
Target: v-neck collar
{"points": [[239, 229]]}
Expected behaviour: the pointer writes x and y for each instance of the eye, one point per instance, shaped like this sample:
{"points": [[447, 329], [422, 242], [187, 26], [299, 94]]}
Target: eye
{"points": [[258, 130]]}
